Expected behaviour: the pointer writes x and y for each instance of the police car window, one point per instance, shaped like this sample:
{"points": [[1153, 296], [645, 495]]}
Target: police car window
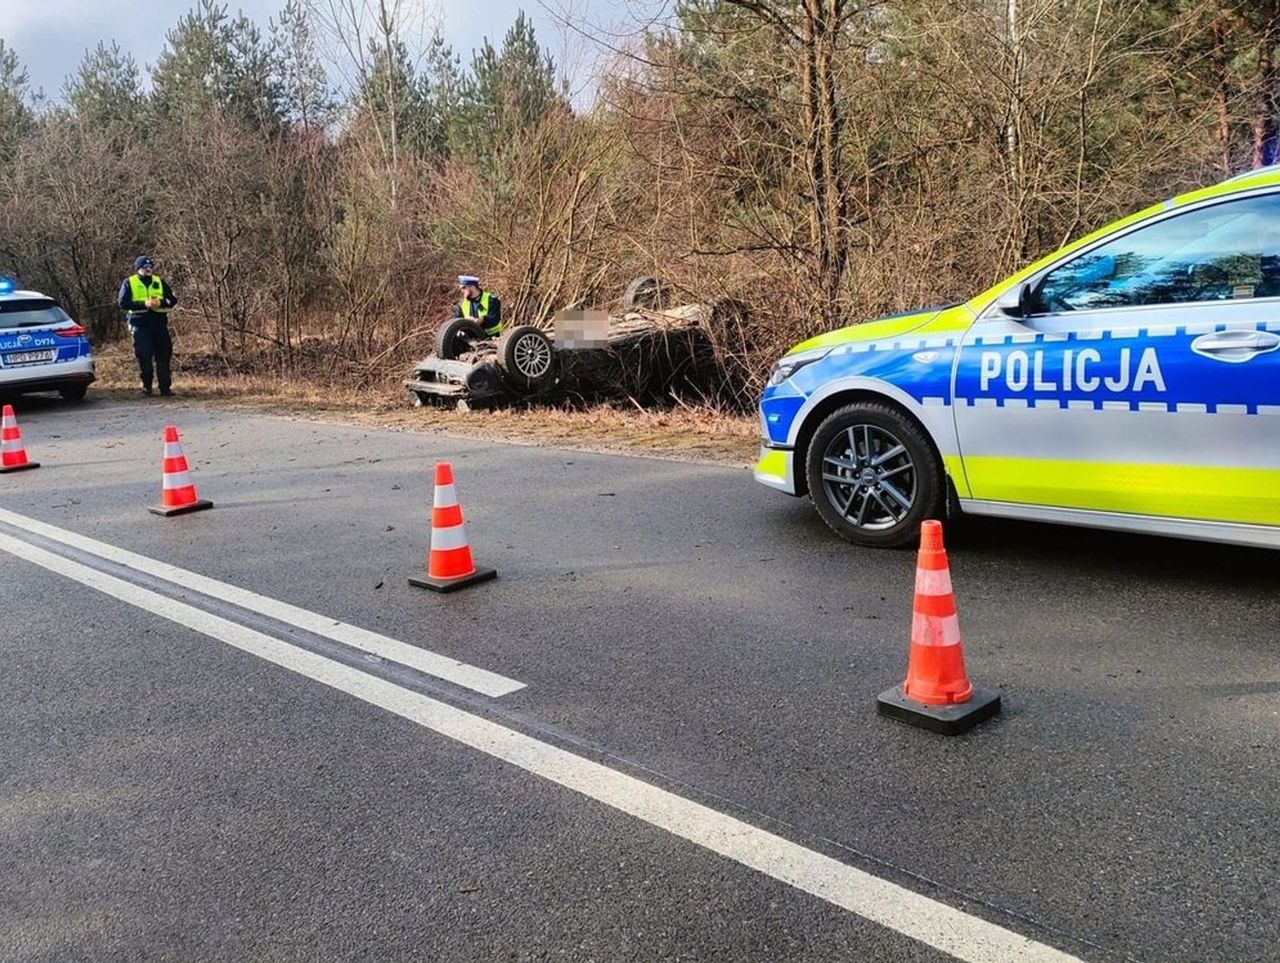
{"points": [[1217, 253], [30, 312]]}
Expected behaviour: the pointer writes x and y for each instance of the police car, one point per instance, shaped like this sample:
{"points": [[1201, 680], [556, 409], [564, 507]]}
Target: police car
{"points": [[41, 348], [1130, 380]]}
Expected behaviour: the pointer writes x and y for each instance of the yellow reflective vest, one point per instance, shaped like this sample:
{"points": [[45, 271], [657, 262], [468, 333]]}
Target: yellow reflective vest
{"points": [[140, 289], [468, 310]]}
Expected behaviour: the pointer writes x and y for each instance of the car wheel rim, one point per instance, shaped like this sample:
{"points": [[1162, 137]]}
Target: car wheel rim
{"points": [[868, 477], [532, 356]]}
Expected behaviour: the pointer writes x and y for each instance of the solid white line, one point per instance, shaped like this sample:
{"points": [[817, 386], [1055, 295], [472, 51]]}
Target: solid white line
{"points": [[432, 663], [918, 917]]}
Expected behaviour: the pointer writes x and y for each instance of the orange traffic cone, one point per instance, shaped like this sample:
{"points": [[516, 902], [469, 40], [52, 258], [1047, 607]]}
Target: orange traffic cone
{"points": [[449, 564], [937, 694], [13, 457], [177, 494]]}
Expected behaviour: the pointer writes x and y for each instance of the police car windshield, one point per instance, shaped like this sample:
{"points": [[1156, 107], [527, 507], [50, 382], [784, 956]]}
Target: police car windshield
{"points": [[31, 313]]}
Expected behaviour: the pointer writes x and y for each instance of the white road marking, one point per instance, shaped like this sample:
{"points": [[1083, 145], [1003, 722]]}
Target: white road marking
{"points": [[930, 922], [432, 663]]}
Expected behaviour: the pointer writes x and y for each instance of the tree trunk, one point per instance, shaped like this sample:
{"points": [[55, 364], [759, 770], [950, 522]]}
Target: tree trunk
{"points": [[1015, 164], [1266, 125], [821, 33], [1221, 93]]}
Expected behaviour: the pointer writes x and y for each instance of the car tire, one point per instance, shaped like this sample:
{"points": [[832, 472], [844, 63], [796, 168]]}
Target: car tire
{"points": [[644, 292], [894, 476], [73, 392], [456, 337], [526, 357]]}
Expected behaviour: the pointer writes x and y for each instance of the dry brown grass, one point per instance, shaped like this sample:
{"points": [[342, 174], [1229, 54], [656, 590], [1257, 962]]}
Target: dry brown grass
{"points": [[685, 433]]}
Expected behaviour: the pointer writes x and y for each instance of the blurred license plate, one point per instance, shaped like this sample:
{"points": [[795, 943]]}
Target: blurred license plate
{"points": [[28, 357]]}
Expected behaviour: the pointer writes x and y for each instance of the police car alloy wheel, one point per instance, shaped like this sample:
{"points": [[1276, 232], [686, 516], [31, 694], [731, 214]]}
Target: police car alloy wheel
{"points": [[873, 476]]}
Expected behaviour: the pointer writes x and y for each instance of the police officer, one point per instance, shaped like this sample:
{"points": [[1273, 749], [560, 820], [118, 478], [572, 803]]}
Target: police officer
{"points": [[479, 305], [147, 299]]}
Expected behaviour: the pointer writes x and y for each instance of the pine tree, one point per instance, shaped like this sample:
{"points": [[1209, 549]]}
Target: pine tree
{"points": [[391, 96], [256, 95], [106, 89], [305, 95], [440, 84], [211, 62], [17, 116], [507, 93], [193, 73]]}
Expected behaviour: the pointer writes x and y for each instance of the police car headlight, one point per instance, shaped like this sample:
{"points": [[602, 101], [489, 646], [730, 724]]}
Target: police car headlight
{"points": [[789, 365]]}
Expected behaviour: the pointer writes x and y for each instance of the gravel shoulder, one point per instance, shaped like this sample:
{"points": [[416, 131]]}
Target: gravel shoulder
{"points": [[683, 433]]}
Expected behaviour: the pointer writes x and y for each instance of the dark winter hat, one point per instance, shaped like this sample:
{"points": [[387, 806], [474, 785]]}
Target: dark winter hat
{"points": [[141, 262]]}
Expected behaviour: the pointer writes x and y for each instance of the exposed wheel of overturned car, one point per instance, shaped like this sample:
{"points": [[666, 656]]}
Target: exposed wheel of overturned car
{"points": [[873, 475], [644, 292], [526, 357], [456, 337]]}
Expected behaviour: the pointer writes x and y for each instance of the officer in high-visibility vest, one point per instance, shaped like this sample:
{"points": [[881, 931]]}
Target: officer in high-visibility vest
{"points": [[479, 305], [147, 299]]}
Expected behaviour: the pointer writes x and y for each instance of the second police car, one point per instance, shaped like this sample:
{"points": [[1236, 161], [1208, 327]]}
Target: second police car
{"points": [[1130, 380], [41, 347]]}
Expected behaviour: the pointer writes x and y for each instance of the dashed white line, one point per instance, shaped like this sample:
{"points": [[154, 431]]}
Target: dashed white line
{"points": [[432, 663]]}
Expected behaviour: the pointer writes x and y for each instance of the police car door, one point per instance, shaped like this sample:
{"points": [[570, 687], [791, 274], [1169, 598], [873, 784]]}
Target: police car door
{"points": [[1140, 375]]}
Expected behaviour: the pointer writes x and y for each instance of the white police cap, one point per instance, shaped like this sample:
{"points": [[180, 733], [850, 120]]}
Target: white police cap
{"points": [[465, 279]]}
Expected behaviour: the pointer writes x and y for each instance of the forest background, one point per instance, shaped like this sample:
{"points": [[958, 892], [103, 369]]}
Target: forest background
{"points": [[311, 186]]}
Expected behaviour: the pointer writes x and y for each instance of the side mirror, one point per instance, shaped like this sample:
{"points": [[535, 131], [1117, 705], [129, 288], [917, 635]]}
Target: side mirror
{"points": [[1017, 301]]}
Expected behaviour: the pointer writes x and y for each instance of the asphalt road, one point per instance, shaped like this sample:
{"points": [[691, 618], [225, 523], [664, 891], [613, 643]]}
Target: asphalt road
{"points": [[165, 795]]}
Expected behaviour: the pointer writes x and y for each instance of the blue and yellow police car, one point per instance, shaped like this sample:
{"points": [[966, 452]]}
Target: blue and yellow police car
{"points": [[1130, 380], [41, 347]]}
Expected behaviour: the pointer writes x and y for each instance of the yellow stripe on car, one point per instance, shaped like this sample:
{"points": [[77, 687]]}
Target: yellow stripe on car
{"points": [[1247, 495]]}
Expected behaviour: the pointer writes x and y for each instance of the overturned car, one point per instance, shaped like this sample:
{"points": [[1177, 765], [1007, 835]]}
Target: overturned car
{"points": [[646, 350]]}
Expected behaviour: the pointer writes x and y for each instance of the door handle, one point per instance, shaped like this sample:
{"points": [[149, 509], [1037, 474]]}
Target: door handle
{"points": [[1235, 347]]}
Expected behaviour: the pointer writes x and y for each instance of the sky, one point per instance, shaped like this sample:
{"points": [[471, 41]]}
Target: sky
{"points": [[51, 36]]}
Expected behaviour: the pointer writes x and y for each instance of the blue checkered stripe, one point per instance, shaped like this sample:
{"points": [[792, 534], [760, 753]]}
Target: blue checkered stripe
{"points": [[1149, 369], [919, 366]]}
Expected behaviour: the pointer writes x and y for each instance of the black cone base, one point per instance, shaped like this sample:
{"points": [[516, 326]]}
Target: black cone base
{"points": [[30, 464], [481, 574], [948, 720], [198, 505]]}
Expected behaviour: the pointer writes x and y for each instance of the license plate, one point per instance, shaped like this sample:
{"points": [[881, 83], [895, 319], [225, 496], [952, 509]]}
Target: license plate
{"points": [[29, 357]]}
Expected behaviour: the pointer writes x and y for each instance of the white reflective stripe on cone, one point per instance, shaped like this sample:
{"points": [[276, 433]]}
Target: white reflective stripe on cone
{"points": [[935, 630], [446, 497], [442, 539], [177, 479], [14, 444], [172, 449], [932, 581]]}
